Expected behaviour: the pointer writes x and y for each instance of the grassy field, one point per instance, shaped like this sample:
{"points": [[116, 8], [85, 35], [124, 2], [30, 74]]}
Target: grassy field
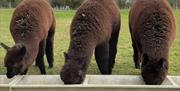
{"points": [[124, 63]]}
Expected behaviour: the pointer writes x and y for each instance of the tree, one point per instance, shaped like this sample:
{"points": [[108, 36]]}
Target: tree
{"points": [[174, 3], [9, 3], [74, 3]]}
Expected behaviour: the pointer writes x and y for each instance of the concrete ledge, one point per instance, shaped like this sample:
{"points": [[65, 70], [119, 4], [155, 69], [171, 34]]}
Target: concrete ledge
{"points": [[92, 82]]}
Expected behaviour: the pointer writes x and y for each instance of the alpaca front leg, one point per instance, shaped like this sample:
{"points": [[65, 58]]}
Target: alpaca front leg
{"points": [[102, 58], [113, 46]]}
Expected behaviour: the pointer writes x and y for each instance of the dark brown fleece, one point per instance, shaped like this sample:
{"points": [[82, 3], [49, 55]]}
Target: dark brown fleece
{"points": [[153, 29], [96, 27], [32, 28]]}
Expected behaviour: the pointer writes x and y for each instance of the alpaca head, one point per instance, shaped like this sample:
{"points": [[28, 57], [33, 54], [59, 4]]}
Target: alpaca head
{"points": [[74, 70], [14, 59], [154, 71]]}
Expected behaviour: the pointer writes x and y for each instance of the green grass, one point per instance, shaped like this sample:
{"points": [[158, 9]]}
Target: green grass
{"points": [[124, 61]]}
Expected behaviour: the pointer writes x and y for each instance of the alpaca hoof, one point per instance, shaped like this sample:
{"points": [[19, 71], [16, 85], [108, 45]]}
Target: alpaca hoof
{"points": [[36, 64], [51, 66], [137, 67]]}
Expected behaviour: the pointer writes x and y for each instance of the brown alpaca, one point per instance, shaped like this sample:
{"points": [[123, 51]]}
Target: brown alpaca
{"points": [[96, 27], [153, 29], [32, 28]]}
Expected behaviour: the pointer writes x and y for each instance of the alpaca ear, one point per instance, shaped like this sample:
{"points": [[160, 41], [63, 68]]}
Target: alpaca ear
{"points": [[5, 46], [163, 63], [145, 59]]}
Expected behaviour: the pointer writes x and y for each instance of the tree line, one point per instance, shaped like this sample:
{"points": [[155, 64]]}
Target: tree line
{"points": [[73, 4]]}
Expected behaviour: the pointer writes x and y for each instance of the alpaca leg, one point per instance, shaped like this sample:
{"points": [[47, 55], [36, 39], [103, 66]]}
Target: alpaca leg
{"points": [[136, 53], [136, 56], [40, 58], [113, 47], [36, 64], [102, 56], [49, 48]]}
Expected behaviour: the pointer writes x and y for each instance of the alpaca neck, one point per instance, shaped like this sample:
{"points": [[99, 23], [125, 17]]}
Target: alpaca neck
{"points": [[31, 54], [158, 51], [83, 52]]}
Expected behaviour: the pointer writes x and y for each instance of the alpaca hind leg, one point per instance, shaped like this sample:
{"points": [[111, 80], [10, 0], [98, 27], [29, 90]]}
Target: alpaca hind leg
{"points": [[40, 58]]}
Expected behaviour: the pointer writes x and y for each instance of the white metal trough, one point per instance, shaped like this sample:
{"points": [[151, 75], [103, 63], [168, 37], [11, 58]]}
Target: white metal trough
{"points": [[5, 83], [91, 83]]}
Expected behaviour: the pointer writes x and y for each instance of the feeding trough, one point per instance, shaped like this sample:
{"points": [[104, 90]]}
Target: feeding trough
{"points": [[176, 80], [91, 83], [120, 80], [40, 80], [6, 83]]}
